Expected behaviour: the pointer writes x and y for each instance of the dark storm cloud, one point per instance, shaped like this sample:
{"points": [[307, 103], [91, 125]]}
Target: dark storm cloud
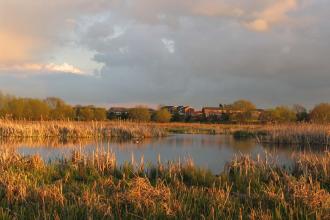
{"points": [[200, 53]]}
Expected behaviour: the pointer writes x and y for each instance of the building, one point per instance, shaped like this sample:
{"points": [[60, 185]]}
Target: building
{"points": [[170, 108], [189, 111], [197, 116], [217, 113], [118, 112], [181, 110], [257, 113], [213, 111]]}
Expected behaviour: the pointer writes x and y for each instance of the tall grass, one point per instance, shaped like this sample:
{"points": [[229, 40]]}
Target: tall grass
{"points": [[296, 134], [200, 128], [69, 130], [95, 187], [305, 134]]}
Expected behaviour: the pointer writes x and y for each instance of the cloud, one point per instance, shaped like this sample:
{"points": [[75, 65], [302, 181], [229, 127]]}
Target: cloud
{"points": [[169, 45], [32, 30], [27, 36], [258, 25], [217, 57], [271, 15], [14, 48], [65, 68], [216, 9], [255, 15], [34, 68], [167, 51]]}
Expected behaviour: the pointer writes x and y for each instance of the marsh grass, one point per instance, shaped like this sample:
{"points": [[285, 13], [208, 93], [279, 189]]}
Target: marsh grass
{"points": [[65, 130], [312, 135], [200, 128], [95, 187], [302, 135]]}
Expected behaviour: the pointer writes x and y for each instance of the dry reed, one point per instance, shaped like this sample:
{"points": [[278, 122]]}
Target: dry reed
{"points": [[74, 130], [296, 134], [95, 187]]}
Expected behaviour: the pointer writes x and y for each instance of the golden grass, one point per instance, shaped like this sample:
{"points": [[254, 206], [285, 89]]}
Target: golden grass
{"points": [[297, 134], [200, 128], [95, 187], [303, 134], [70, 129]]}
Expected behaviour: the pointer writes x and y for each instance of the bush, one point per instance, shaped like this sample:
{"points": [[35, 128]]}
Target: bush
{"points": [[139, 114], [162, 116], [321, 113], [280, 114]]}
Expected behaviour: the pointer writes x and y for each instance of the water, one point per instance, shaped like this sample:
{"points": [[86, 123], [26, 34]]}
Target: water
{"points": [[207, 151]]}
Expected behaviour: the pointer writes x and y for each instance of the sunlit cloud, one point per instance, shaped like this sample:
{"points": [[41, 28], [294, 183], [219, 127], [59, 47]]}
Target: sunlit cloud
{"points": [[25, 38], [32, 31], [216, 8], [15, 48], [34, 68], [271, 15], [255, 15], [65, 68]]}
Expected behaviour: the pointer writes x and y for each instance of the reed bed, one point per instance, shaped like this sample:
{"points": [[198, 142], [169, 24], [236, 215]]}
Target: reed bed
{"points": [[305, 134], [95, 187], [302, 134], [51, 142], [200, 128], [73, 130], [313, 135]]}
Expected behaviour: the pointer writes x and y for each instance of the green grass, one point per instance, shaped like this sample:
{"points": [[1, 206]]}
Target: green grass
{"points": [[95, 187]]}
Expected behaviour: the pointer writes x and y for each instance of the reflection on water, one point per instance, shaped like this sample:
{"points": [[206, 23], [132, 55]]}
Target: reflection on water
{"points": [[209, 151]]}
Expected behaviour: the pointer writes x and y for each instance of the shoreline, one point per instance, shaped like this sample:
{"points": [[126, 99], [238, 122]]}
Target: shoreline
{"points": [[304, 134]]}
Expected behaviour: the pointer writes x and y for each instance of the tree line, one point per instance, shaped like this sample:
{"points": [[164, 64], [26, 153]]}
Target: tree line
{"points": [[53, 108], [246, 112]]}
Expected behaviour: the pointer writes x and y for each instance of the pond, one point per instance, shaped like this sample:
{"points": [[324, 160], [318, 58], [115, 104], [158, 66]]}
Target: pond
{"points": [[207, 151]]}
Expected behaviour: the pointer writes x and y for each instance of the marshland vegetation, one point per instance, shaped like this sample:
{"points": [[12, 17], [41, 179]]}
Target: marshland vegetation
{"points": [[73, 130], [95, 187], [307, 134], [52, 117]]}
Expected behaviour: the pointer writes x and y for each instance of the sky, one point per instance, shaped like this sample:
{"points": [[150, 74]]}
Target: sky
{"points": [[189, 52]]}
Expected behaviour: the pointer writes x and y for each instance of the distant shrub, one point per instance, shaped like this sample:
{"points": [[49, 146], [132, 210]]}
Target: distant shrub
{"points": [[139, 114], [162, 116], [321, 113], [280, 114]]}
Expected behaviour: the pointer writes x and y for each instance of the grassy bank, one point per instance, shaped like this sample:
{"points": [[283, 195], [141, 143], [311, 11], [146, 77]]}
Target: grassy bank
{"points": [[95, 187], [73, 130], [291, 134], [198, 128], [296, 134], [304, 134]]}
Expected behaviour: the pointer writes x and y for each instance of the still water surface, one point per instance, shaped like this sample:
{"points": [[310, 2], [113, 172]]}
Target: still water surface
{"points": [[208, 151]]}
